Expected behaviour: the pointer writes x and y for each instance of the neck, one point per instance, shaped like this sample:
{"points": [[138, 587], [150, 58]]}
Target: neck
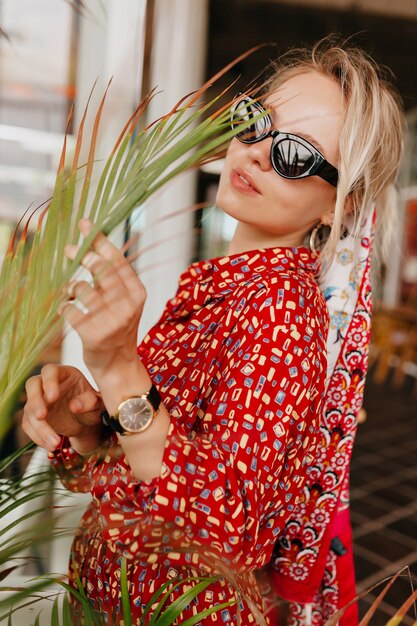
{"points": [[247, 237]]}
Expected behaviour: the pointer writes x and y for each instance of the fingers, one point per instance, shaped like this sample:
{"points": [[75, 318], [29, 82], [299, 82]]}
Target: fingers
{"points": [[106, 277], [85, 402], [90, 297], [106, 262], [35, 397], [50, 406], [96, 305], [35, 413], [51, 376], [103, 246], [112, 306], [40, 432], [117, 294], [45, 389]]}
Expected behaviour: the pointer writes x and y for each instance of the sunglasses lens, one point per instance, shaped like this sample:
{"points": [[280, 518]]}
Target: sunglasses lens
{"points": [[244, 111], [291, 158]]}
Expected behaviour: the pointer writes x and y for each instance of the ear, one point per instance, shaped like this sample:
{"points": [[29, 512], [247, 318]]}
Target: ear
{"points": [[349, 207], [328, 217]]}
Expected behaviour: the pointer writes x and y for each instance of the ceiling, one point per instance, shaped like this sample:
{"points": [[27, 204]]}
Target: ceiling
{"points": [[390, 39], [399, 8]]}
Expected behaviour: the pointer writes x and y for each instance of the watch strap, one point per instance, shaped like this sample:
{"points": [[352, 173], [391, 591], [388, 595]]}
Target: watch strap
{"points": [[154, 397], [111, 422]]}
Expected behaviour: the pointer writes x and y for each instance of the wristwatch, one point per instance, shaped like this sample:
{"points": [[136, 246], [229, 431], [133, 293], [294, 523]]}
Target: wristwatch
{"points": [[134, 414]]}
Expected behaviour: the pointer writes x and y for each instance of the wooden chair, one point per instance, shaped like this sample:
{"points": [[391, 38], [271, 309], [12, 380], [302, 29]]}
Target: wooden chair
{"points": [[394, 345]]}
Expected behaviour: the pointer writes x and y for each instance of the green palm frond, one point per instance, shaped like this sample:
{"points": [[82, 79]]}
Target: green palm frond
{"points": [[61, 614], [43, 589], [28, 519], [160, 610], [33, 276]]}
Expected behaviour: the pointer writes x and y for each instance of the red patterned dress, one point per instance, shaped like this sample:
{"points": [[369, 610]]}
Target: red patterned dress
{"points": [[239, 358]]}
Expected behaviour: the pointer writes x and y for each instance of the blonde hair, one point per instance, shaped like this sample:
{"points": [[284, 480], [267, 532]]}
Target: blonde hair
{"points": [[372, 135]]}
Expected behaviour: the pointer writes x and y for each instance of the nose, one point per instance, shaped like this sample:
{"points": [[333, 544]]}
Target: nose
{"points": [[260, 152]]}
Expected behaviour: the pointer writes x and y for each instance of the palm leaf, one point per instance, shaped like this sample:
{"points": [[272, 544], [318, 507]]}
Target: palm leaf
{"points": [[12, 458], [37, 620], [27, 595], [334, 619], [206, 612], [176, 608], [157, 594], [55, 612], [124, 591], [373, 608], [166, 595], [33, 277], [402, 611], [66, 613]]}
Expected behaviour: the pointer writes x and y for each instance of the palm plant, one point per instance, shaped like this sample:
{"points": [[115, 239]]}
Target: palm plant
{"points": [[163, 615], [388, 582], [142, 161], [15, 537]]}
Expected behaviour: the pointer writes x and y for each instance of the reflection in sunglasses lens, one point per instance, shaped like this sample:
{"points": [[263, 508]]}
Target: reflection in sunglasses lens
{"points": [[291, 158], [244, 112]]}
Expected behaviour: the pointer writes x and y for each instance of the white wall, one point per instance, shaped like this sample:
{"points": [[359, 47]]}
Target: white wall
{"points": [[112, 45], [178, 64]]}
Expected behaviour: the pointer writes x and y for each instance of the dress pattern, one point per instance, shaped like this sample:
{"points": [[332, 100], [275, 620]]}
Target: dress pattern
{"points": [[239, 358]]}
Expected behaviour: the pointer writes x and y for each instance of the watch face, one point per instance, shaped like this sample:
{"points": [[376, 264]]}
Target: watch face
{"points": [[135, 414]]}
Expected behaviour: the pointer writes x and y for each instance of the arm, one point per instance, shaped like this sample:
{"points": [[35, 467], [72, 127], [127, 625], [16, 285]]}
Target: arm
{"points": [[232, 490], [61, 400], [72, 468], [229, 491], [145, 450]]}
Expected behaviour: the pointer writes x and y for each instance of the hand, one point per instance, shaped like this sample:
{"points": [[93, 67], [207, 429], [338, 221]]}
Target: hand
{"points": [[61, 401], [114, 305]]}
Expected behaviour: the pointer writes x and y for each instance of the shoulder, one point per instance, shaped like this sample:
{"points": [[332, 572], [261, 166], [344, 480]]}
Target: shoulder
{"points": [[285, 321], [289, 297], [196, 271], [282, 331]]}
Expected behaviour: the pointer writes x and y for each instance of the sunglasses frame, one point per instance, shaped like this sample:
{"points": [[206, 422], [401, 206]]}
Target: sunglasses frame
{"points": [[320, 167]]}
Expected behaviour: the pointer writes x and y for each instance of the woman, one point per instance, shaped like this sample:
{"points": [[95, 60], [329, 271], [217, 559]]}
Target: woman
{"points": [[226, 444]]}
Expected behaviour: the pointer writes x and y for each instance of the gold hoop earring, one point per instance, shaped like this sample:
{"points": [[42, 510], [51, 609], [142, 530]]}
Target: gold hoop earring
{"points": [[318, 237], [312, 242]]}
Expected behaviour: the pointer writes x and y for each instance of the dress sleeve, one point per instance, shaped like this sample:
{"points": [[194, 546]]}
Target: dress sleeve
{"points": [[74, 470], [229, 488]]}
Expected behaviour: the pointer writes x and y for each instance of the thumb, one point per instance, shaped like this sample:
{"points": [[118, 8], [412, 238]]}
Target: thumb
{"points": [[84, 402]]}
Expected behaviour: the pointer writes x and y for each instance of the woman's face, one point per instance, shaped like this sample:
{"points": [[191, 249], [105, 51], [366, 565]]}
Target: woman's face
{"points": [[272, 207]]}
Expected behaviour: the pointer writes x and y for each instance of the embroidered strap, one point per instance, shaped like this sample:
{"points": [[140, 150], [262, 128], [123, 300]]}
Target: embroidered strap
{"points": [[301, 551]]}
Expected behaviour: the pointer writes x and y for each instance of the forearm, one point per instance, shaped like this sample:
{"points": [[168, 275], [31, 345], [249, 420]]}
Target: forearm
{"points": [[89, 440], [144, 451]]}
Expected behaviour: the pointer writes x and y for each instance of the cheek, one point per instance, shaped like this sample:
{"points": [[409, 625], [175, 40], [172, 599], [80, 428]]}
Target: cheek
{"points": [[224, 182], [222, 188], [289, 194], [312, 192], [298, 204]]}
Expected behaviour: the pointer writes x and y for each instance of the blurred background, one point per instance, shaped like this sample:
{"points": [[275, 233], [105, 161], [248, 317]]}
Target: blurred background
{"points": [[51, 54]]}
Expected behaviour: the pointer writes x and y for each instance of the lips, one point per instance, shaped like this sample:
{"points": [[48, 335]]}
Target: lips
{"points": [[242, 181]]}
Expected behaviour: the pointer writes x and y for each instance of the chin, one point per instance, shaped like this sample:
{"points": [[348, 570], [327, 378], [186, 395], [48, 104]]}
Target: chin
{"points": [[225, 202], [232, 209]]}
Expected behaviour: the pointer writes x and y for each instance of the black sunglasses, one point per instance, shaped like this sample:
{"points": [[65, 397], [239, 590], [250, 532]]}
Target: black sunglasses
{"points": [[291, 155]]}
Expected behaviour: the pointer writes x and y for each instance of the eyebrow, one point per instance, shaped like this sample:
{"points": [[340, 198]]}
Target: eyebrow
{"points": [[307, 137], [300, 133]]}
